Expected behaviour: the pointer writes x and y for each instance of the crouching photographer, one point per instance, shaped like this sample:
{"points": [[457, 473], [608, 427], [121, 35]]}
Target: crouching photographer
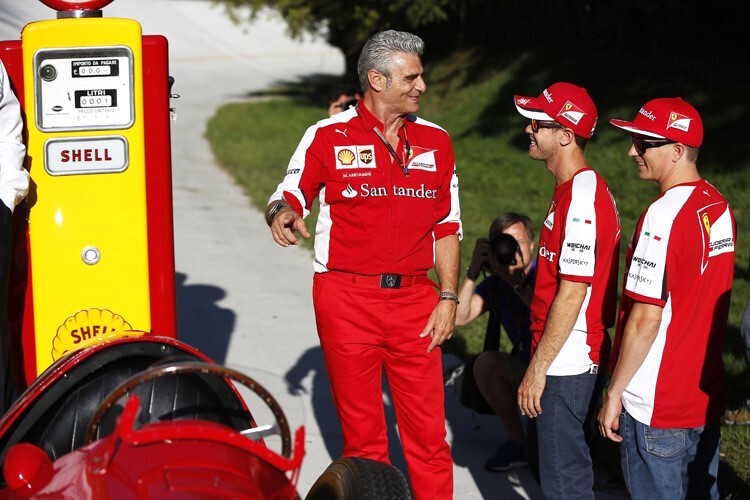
{"points": [[505, 258]]}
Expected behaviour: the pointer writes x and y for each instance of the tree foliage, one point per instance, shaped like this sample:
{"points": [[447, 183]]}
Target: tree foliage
{"points": [[654, 29], [346, 24]]}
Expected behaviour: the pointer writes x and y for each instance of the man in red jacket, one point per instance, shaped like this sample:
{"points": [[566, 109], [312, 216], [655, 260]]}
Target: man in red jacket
{"points": [[389, 212]]}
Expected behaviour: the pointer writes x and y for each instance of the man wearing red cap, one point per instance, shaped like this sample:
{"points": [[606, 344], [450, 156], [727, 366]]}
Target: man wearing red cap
{"points": [[666, 394], [575, 293]]}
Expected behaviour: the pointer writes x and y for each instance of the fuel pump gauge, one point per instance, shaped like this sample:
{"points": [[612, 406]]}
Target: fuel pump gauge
{"points": [[84, 88]]}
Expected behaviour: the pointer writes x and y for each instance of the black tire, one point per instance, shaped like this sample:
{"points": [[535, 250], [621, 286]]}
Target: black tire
{"points": [[351, 478]]}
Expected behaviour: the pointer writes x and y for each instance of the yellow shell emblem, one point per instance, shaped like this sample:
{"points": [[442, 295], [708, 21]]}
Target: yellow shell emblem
{"points": [[346, 157], [89, 327]]}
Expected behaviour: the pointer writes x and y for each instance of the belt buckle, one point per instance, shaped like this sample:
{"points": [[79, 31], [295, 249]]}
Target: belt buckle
{"points": [[390, 281]]}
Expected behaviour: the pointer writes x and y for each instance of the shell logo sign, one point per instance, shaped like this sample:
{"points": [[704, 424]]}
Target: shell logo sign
{"points": [[89, 327], [346, 157]]}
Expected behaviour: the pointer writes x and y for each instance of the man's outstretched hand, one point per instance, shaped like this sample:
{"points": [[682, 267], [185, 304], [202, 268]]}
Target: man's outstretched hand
{"points": [[286, 222]]}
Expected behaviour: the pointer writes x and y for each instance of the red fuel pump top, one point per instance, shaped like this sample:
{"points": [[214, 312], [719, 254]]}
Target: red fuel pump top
{"points": [[63, 5]]}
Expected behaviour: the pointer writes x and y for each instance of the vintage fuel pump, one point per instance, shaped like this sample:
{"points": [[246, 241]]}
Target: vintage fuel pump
{"points": [[95, 93]]}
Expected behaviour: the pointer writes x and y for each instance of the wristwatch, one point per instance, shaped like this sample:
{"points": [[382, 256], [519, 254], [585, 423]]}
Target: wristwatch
{"points": [[275, 210]]}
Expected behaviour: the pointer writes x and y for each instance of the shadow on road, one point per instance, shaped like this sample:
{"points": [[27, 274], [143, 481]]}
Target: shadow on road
{"points": [[474, 438], [311, 363], [201, 323]]}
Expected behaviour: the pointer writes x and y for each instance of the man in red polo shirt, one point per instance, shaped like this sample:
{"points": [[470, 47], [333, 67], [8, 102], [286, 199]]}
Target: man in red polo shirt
{"points": [[575, 291], [389, 212], [667, 389]]}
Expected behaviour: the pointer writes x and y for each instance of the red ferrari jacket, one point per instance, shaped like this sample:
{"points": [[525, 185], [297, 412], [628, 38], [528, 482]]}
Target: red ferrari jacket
{"points": [[374, 218]]}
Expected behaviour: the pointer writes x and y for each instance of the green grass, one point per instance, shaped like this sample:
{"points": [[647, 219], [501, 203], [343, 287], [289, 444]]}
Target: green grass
{"points": [[470, 95]]}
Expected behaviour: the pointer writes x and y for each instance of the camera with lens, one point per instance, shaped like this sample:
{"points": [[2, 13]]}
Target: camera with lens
{"points": [[349, 104], [504, 248]]}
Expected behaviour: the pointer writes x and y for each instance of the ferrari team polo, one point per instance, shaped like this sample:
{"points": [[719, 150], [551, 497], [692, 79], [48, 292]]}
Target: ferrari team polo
{"points": [[374, 219], [681, 258], [580, 241]]}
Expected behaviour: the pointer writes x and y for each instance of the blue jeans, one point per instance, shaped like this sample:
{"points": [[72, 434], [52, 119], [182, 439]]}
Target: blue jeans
{"points": [[565, 467], [669, 463]]}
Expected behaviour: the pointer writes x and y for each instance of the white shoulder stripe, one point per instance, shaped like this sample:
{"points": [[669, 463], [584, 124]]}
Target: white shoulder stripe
{"points": [[669, 205], [422, 121], [584, 186]]}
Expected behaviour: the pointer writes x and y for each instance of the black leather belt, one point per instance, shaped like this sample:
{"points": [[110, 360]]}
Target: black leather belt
{"points": [[381, 280]]}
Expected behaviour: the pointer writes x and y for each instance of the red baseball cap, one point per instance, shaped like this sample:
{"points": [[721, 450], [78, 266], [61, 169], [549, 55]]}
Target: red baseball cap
{"points": [[667, 118], [567, 104]]}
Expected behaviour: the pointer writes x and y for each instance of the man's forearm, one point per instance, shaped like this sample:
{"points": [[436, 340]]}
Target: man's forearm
{"points": [[447, 259], [465, 293], [562, 317], [638, 336]]}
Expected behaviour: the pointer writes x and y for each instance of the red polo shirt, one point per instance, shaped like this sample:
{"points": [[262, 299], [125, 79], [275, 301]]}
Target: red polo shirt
{"points": [[373, 218]]}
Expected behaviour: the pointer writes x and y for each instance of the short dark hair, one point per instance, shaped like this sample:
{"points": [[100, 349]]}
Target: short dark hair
{"points": [[507, 219], [581, 142], [340, 90], [691, 153]]}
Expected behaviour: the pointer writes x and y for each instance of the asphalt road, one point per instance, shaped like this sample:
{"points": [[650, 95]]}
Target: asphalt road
{"points": [[242, 299]]}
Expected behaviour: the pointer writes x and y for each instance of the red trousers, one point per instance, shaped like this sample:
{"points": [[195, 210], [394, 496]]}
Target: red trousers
{"points": [[364, 330]]}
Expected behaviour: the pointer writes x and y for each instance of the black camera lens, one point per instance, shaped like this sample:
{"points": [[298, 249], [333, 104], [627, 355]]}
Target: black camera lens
{"points": [[48, 72], [505, 247], [349, 104]]}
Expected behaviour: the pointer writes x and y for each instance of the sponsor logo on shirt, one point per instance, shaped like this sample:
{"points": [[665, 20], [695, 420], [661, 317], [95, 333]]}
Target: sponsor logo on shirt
{"points": [[585, 221], [722, 244], [571, 112], [293, 171], [575, 262], [409, 192], [352, 157], [718, 234], [644, 263], [547, 95], [546, 254], [653, 237], [349, 192], [365, 156], [345, 157], [423, 161], [639, 279], [522, 101], [578, 246], [678, 121]]}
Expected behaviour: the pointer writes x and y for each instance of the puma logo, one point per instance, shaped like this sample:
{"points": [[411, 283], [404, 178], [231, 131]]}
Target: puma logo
{"points": [[342, 132]]}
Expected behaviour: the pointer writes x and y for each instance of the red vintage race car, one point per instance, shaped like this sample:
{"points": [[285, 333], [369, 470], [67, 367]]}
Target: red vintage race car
{"points": [[150, 417], [144, 417]]}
